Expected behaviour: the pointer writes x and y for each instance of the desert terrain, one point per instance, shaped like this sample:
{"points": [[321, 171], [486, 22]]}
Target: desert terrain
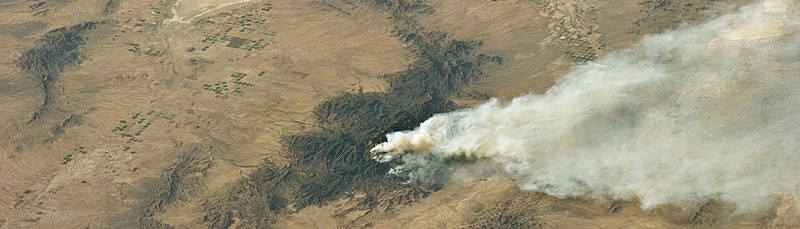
{"points": [[261, 113]]}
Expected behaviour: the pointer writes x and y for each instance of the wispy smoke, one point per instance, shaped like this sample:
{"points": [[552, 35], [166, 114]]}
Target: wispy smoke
{"points": [[708, 112]]}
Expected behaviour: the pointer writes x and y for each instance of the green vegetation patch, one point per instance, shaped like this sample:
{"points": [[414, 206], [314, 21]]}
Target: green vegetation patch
{"points": [[240, 23], [77, 151], [66, 159], [237, 42], [134, 48], [131, 129], [246, 44], [221, 88], [267, 7]]}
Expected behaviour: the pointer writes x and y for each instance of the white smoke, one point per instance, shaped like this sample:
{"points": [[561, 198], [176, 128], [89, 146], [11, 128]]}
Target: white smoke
{"points": [[708, 112]]}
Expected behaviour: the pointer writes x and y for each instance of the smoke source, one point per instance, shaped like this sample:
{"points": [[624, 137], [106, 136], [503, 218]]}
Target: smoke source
{"points": [[708, 112]]}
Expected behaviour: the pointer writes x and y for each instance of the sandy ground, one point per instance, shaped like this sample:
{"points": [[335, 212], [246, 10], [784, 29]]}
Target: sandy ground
{"points": [[291, 72], [152, 60], [185, 10]]}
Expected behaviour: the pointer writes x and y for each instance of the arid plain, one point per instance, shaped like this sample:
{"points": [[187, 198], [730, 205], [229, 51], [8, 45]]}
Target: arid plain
{"points": [[260, 114]]}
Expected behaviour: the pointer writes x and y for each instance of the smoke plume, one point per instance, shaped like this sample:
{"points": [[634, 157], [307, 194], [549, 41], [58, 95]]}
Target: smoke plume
{"points": [[707, 112]]}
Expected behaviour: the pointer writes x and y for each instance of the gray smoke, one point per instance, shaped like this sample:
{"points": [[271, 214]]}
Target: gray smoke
{"points": [[708, 112]]}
